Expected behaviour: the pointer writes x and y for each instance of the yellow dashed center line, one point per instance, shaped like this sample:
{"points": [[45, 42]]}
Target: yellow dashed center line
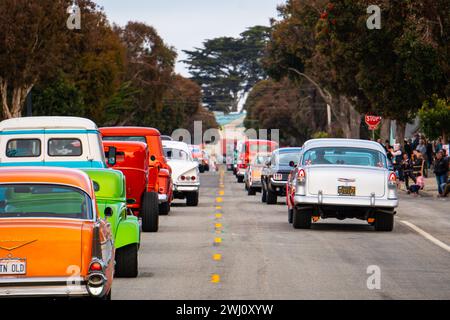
{"points": [[215, 278], [219, 216], [219, 200], [218, 240], [217, 257]]}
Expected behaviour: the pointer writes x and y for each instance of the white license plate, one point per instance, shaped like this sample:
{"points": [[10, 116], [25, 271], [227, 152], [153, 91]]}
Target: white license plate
{"points": [[12, 267]]}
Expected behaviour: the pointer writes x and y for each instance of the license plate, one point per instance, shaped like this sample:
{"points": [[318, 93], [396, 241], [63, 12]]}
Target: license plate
{"points": [[347, 191], [12, 267]]}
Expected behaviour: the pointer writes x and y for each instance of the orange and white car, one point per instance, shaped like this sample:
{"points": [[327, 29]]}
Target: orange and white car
{"points": [[52, 240]]}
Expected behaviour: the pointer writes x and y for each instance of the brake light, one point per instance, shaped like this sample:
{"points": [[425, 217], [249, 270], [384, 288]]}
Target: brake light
{"points": [[193, 178], [392, 177], [301, 176], [183, 178], [96, 266]]}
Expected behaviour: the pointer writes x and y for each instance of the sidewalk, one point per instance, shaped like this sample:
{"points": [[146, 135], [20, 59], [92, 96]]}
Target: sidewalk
{"points": [[430, 190]]}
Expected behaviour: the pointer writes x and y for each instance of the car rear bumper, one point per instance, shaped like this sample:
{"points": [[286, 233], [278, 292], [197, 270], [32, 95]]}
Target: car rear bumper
{"points": [[186, 188], [345, 201], [163, 198], [43, 287]]}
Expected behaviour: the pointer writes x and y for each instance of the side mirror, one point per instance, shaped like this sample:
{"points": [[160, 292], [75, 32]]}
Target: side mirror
{"points": [[109, 212], [112, 156], [131, 201], [152, 158], [292, 164]]}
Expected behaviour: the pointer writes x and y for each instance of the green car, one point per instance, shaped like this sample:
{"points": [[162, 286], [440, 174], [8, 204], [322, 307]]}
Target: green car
{"points": [[110, 192]]}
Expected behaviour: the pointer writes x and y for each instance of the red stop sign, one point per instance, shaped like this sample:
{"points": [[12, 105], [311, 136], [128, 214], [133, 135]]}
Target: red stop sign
{"points": [[373, 122]]}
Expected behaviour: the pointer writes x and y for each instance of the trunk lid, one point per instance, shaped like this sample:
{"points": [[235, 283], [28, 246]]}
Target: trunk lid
{"points": [[329, 178], [49, 247]]}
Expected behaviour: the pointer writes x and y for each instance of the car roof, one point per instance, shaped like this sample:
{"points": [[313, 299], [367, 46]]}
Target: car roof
{"points": [[176, 145], [47, 175], [127, 145], [357, 143], [47, 123], [290, 149], [127, 131]]}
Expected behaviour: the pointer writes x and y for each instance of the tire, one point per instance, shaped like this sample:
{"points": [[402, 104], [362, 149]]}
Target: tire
{"points": [[263, 196], [192, 199], [127, 261], [164, 208], [150, 212], [251, 191], [290, 215], [240, 179], [384, 222], [108, 296], [301, 219], [272, 197], [201, 169], [207, 168]]}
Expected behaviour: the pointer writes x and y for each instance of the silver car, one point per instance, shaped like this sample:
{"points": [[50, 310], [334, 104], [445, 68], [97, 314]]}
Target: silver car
{"points": [[343, 178]]}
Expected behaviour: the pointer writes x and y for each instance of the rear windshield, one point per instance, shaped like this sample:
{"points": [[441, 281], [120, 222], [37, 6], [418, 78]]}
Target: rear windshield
{"points": [[176, 154], [23, 148], [67, 147], [256, 147], [126, 139], [283, 159], [345, 156], [44, 201]]}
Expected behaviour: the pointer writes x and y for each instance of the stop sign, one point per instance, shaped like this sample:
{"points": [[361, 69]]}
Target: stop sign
{"points": [[373, 122]]}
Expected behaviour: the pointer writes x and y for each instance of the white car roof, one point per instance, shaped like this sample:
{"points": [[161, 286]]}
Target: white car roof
{"points": [[47, 123], [357, 143], [176, 145]]}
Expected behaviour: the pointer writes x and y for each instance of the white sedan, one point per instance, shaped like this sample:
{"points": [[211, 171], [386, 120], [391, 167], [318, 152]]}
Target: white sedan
{"points": [[342, 178], [185, 173]]}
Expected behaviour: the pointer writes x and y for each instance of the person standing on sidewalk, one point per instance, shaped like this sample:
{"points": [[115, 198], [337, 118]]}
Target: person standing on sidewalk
{"points": [[422, 148], [441, 171], [407, 170]]}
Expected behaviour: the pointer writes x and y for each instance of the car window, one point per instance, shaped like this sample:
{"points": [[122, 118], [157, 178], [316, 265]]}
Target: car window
{"points": [[345, 156], [44, 201], [126, 139], [23, 148], [283, 159], [176, 154], [67, 147], [260, 147]]}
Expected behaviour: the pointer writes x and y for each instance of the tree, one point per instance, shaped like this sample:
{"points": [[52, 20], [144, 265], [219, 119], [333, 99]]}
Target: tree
{"points": [[226, 68], [435, 118], [33, 41]]}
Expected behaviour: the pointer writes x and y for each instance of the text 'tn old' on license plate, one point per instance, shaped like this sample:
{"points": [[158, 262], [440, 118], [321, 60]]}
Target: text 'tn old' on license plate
{"points": [[12, 267], [346, 191]]}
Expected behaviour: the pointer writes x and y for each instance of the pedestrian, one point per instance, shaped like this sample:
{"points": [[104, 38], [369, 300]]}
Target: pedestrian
{"points": [[417, 163], [417, 186], [441, 171], [430, 154], [407, 170], [415, 142], [397, 160], [438, 147], [408, 148], [389, 149]]}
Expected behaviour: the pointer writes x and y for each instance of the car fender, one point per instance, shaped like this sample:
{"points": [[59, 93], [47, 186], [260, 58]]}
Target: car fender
{"points": [[128, 232]]}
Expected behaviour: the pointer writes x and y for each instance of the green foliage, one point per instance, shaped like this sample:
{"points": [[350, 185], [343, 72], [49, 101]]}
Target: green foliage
{"points": [[227, 68], [435, 117], [320, 135]]}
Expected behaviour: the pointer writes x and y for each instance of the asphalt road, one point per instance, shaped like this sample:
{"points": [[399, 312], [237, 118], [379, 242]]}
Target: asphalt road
{"points": [[242, 249]]}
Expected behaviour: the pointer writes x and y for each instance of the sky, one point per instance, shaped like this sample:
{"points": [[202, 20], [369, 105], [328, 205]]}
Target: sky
{"points": [[185, 24]]}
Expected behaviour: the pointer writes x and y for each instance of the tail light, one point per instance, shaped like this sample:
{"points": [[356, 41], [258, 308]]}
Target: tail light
{"points": [[95, 266], [301, 176], [193, 178], [183, 178], [392, 179]]}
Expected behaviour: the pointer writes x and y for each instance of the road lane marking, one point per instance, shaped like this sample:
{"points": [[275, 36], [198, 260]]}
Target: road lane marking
{"points": [[219, 216], [218, 240], [427, 236], [215, 278], [218, 226], [221, 193], [219, 200], [218, 208], [217, 257]]}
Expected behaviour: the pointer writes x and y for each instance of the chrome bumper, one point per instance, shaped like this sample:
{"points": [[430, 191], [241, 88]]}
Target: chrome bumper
{"points": [[43, 287], [163, 198], [278, 183], [186, 188], [345, 201]]}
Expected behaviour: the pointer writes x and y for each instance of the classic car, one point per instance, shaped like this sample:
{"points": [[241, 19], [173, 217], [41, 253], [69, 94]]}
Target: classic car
{"points": [[132, 159], [110, 192], [274, 175], [185, 173], [342, 178], [160, 173], [252, 177], [53, 241], [248, 150]]}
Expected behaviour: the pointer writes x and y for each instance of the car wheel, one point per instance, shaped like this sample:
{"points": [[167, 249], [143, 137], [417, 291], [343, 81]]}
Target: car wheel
{"points": [[207, 168], [290, 215], [240, 179], [201, 169], [127, 261], [192, 199], [263, 196], [301, 219], [164, 208], [272, 197], [108, 296], [150, 212], [251, 191], [384, 222]]}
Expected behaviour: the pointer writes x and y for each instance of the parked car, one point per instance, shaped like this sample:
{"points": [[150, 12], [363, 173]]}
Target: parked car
{"points": [[205, 161], [53, 241], [248, 150], [132, 159], [166, 138], [252, 177], [343, 178], [160, 173], [110, 192], [185, 172], [275, 173]]}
